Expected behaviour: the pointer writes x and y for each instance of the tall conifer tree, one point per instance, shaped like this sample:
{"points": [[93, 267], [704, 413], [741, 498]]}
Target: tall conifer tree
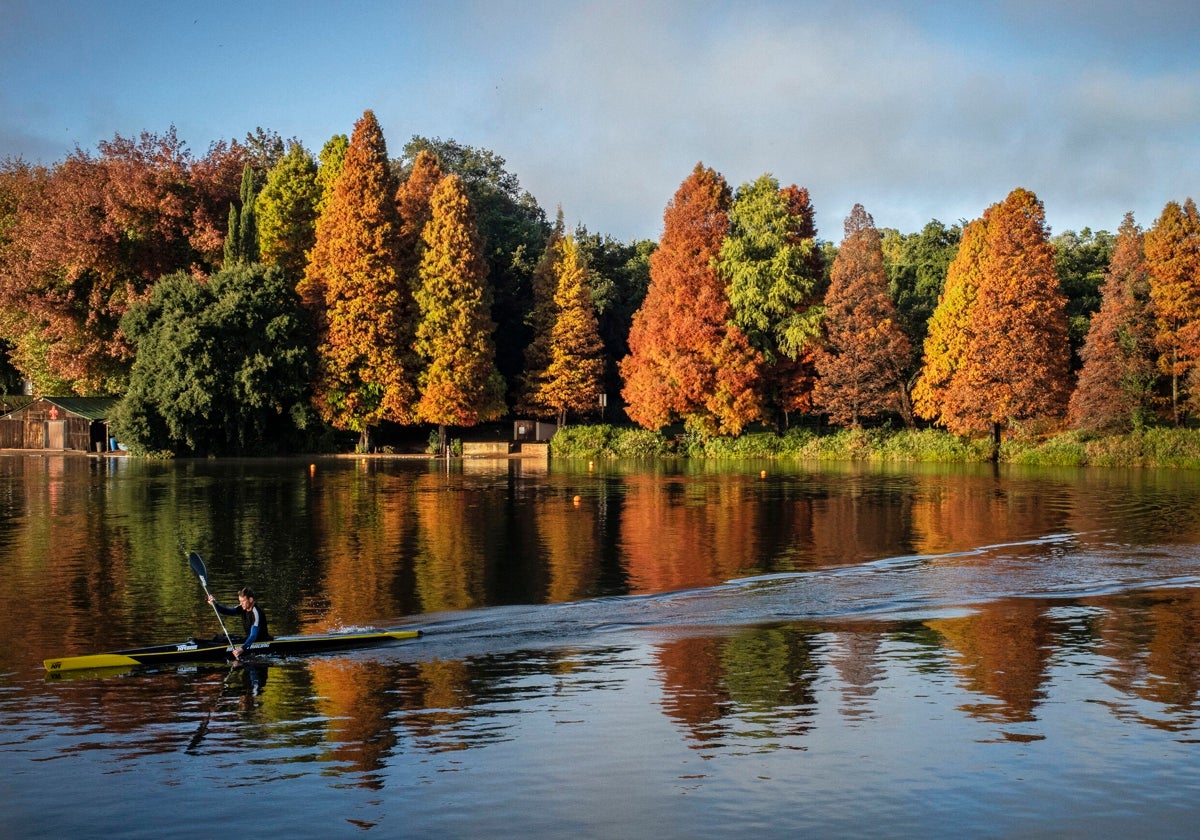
{"points": [[573, 377], [1116, 383], [687, 361], [863, 352], [1008, 360], [286, 210], [459, 383], [363, 313], [1173, 258]]}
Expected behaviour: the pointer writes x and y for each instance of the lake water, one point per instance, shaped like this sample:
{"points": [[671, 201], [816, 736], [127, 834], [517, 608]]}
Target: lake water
{"points": [[655, 650]]}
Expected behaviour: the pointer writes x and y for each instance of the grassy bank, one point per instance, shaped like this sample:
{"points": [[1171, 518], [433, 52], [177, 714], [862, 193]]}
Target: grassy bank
{"points": [[1178, 448]]}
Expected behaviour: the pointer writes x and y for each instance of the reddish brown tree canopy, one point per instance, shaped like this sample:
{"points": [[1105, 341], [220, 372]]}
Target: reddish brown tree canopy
{"points": [[1117, 380], [863, 353], [686, 361]]}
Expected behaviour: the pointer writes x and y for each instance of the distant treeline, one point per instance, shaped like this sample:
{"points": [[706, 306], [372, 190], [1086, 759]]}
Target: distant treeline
{"points": [[262, 297]]}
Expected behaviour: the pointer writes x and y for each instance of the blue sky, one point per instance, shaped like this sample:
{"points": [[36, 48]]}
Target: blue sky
{"points": [[916, 110]]}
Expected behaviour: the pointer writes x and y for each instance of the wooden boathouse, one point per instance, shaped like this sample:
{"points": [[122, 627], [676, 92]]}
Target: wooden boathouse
{"points": [[69, 424]]}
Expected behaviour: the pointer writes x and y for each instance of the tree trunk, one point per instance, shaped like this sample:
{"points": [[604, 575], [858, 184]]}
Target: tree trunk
{"points": [[365, 440], [995, 454]]}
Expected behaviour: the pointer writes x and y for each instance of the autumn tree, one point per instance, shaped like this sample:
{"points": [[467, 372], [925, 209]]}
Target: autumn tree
{"points": [[286, 211], [413, 204], [863, 353], [687, 360], [459, 383], [1173, 259], [997, 350], [96, 232], [572, 377], [773, 269], [541, 318], [618, 275], [512, 230], [936, 395], [362, 312], [1117, 380]]}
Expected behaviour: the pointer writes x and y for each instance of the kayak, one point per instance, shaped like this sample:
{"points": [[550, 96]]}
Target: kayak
{"points": [[218, 650]]}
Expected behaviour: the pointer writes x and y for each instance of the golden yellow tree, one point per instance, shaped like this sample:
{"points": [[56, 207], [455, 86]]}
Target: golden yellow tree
{"points": [[572, 380], [459, 383], [1008, 359]]}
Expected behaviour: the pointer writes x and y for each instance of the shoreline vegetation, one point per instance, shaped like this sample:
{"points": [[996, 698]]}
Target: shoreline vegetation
{"points": [[1154, 447]]}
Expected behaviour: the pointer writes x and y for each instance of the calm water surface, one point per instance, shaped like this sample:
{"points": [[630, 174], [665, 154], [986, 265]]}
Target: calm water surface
{"points": [[636, 650]]}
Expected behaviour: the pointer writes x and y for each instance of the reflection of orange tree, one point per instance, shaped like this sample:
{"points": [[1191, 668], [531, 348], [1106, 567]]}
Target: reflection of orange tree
{"points": [[1001, 651], [568, 533], [357, 699], [451, 556], [1155, 652], [754, 684], [363, 529], [956, 513], [679, 532]]}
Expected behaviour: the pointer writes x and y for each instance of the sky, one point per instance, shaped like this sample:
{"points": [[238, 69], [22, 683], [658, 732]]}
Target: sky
{"points": [[917, 110]]}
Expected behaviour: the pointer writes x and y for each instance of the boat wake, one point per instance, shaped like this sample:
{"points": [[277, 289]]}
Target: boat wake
{"points": [[1064, 566]]}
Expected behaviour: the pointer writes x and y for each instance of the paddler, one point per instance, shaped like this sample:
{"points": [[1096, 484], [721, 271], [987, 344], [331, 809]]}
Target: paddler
{"points": [[254, 620]]}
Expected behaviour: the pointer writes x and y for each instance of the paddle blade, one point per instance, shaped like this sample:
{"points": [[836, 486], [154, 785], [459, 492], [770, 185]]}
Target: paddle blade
{"points": [[197, 566]]}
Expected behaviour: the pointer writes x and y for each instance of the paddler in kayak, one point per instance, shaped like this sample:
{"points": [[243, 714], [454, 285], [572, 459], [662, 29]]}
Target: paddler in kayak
{"points": [[254, 620]]}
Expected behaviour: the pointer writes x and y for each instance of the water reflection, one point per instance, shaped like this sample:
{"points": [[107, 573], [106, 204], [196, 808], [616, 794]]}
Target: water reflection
{"points": [[693, 618]]}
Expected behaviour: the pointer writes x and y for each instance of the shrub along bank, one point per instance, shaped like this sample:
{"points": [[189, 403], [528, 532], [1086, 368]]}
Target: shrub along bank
{"points": [[1153, 447]]}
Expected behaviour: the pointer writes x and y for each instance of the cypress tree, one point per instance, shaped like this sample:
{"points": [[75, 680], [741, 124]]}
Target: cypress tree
{"points": [[459, 383], [362, 311]]}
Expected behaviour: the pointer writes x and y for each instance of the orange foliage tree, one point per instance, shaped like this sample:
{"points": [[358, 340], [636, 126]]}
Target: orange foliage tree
{"points": [[1117, 380], [541, 321], [459, 382], [1173, 258], [863, 353], [1002, 357], [362, 311], [91, 236], [686, 360]]}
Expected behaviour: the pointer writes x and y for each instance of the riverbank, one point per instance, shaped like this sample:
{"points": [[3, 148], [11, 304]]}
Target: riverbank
{"points": [[1152, 447]]}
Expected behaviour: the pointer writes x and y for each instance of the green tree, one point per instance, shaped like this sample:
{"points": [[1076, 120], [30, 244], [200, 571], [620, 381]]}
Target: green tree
{"points": [[916, 266], [773, 269], [331, 159], [687, 360], [1080, 260], [459, 383], [241, 236], [1116, 383], [863, 355], [222, 367], [363, 313], [286, 211]]}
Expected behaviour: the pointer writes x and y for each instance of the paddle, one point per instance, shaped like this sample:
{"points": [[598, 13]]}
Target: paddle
{"points": [[197, 565]]}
